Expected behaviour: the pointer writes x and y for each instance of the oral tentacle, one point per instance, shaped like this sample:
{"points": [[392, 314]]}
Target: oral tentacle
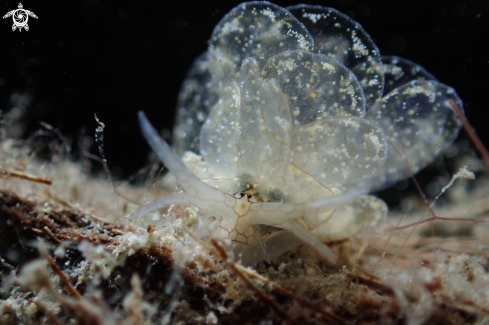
{"points": [[175, 198], [304, 235], [278, 214], [197, 191], [192, 184]]}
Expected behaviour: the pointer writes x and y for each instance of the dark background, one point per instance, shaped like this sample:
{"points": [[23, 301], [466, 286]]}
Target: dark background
{"points": [[117, 57]]}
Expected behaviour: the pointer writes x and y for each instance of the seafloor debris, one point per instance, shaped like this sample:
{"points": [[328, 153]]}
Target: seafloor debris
{"points": [[429, 280]]}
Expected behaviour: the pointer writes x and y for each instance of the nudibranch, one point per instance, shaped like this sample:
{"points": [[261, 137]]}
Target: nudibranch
{"points": [[286, 123]]}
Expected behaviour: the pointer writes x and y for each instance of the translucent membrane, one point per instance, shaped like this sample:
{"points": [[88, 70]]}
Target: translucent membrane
{"points": [[399, 71], [254, 29], [419, 123], [342, 38], [339, 150], [297, 116], [198, 95], [316, 85]]}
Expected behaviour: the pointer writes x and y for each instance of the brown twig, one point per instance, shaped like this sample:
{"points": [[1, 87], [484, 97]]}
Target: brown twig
{"points": [[471, 132], [388, 240], [473, 304], [269, 301], [117, 231], [53, 236], [241, 271], [411, 174], [29, 177], [61, 276], [440, 219], [420, 191], [86, 213], [423, 196], [291, 295], [374, 284], [218, 250]]}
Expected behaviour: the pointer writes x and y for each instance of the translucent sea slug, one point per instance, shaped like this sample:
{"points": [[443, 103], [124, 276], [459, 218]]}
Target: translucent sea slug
{"points": [[296, 116]]}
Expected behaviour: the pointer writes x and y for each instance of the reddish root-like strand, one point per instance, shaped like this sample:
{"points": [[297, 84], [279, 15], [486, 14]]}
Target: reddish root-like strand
{"points": [[471, 133], [61, 276]]}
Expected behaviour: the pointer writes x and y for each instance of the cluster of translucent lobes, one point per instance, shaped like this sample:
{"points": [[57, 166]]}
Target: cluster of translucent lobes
{"points": [[291, 107]]}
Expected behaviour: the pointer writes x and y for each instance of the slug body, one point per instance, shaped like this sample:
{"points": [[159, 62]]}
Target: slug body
{"points": [[296, 117]]}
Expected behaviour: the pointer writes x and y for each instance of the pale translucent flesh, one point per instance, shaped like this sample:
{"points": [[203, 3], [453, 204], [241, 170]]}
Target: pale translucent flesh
{"points": [[296, 126]]}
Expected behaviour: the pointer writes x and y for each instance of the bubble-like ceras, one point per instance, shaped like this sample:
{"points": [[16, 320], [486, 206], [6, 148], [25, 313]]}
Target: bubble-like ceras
{"points": [[253, 29], [289, 112], [251, 131], [339, 37], [261, 30]]}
